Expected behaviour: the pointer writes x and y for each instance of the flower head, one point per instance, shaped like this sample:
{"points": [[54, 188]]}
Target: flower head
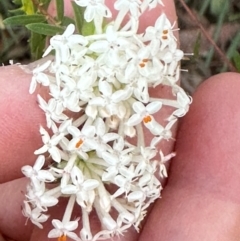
{"points": [[98, 100]]}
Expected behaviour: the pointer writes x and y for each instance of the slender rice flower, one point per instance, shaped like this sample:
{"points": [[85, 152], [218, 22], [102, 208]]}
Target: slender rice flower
{"points": [[93, 160]]}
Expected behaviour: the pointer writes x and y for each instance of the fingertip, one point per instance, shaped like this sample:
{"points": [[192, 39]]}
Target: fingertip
{"points": [[201, 199], [19, 122], [209, 136]]}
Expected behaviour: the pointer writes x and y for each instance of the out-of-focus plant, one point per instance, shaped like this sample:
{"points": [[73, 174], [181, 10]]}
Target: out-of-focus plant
{"points": [[34, 15]]}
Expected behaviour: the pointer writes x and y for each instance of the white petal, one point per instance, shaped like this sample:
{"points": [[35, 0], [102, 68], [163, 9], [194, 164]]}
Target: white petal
{"points": [[134, 120], [99, 46], [69, 189], [135, 196], [39, 163], [27, 171], [74, 131], [45, 176], [55, 154], [71, 225], [33, 85], [69, 30], [110, 158], [138, 107], [154, 107], [41, 150], [109, 223], [48, 201], [55, 233], [89, 131], [90, 184], [77, 176], [110, 137], [73, 236], [105, 88]]}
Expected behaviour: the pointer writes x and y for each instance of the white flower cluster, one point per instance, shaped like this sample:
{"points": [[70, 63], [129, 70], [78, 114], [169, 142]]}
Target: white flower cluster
{"points": [[98, 102]]}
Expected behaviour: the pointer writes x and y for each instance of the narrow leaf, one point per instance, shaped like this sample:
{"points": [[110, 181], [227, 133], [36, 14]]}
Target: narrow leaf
{"points": [[24, 19], [60, 9], [45, 29], [236, 59], [88, 28], [197, 46], [66, 21], [37, 45], [78, 15]]}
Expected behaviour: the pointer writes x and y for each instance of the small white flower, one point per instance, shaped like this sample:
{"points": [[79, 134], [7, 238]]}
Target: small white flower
{"points": [[50, 145], [133, 6], [63, 230], [82, 141], [183, 100], [163, 160], [35, 215], [94, 9], [36, 172], [81, 187], [50, 111], [161, 34], [163, 133], [39, 76], [37, 196], [143, 113]]}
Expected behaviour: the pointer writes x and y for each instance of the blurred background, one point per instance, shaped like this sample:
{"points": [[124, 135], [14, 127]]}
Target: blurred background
{"points": [[220, 19]]}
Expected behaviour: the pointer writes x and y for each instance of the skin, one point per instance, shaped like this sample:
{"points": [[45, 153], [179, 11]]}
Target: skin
{"points": [[201, 200]]}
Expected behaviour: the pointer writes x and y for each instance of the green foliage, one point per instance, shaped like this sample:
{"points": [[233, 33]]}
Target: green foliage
{"points": [[197, 45], [34, 16], [45, 29], [28, 7], [236, 60], [24, 19]]}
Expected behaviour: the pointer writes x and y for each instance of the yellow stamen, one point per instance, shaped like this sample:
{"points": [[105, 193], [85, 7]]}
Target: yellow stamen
{"points": [[142, 65], [147, 119], [164, 37], [165, 31], [62, 238], [79, 143], [145, 60]]}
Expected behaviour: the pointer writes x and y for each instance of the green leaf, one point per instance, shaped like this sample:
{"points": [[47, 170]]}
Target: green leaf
{"points": [[28, 7], [197, 46], [218, 6], [88, 28], [236, 59], [37, 45], [78, 15], [66, 21], [83, 27], [60, 9], [24, 19], [17, 2], [45, 29]]}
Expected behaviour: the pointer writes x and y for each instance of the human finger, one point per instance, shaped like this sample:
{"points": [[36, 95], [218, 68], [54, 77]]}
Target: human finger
{"points": [[201, 199]]}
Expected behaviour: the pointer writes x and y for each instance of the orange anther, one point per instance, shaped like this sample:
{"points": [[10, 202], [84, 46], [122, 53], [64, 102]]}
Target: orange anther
{"points": [[147, 119], [142, 65], [165, 31], [164, 37], [62, 238], [145, 60], [79, 143]]}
